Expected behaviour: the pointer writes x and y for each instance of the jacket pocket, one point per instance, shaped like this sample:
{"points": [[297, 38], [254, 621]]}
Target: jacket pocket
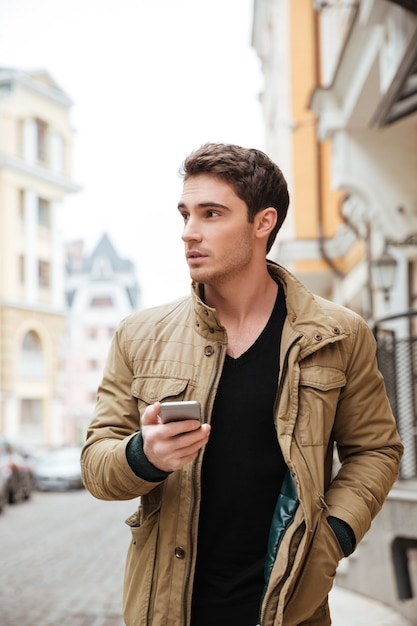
{"points": [[319, 390], [152, 389], [140, 568], [316, 577]]}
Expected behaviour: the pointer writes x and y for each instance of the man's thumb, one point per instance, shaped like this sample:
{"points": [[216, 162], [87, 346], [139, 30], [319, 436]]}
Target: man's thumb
{"points": [[151, 413]]}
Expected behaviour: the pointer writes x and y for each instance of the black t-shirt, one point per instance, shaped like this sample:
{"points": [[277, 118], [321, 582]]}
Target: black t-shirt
{"points": [[242, 473]]}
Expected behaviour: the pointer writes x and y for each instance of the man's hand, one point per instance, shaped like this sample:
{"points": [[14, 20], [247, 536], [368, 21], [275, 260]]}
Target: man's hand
{"points": [[170, 446]]}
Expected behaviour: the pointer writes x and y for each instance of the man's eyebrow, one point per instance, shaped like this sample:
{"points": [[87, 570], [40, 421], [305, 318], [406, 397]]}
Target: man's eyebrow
{"points": [[205, 205]]}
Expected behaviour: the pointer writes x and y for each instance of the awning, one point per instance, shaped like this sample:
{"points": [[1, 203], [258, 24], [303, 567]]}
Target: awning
{"points": [[411, 5], [401, 99]]}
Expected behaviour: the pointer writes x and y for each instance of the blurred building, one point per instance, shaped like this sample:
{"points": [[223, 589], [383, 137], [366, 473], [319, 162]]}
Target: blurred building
{"points": [[35, 176], [313, 242], [101, 290], [340, 107]]}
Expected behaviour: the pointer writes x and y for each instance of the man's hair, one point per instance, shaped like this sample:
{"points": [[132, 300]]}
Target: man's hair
{"points": [[254, 177]]}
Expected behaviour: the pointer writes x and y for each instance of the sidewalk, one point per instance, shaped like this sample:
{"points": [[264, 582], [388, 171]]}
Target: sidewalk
{"points": [[351, 609]]}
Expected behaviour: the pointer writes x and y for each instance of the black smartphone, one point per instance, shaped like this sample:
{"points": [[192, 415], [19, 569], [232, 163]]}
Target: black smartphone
{"points": [[177, 411]]}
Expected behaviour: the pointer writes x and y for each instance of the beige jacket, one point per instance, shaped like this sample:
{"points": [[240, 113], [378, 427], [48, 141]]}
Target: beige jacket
{"points": [[329, 390]]}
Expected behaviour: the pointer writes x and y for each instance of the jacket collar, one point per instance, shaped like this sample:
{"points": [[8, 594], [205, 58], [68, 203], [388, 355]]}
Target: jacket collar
{"points": [[206, 321], [309, 320]]}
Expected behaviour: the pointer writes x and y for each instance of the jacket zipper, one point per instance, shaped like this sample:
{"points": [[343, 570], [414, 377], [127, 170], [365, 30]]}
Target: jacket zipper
{"points": [[194, 480], [278, 395]]}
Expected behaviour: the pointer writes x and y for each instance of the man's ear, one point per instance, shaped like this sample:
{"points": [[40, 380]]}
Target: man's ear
{"points": [[265, 221]]}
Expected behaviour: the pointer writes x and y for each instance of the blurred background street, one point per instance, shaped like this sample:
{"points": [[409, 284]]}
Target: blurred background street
{"points": [[62, 561]]}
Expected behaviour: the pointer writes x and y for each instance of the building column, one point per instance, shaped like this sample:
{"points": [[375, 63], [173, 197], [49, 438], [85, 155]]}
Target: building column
{"points": [[11, 416], [57, 260]]}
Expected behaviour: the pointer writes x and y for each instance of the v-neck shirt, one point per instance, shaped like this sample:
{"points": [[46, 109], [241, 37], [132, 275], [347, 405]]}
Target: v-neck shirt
{"points": [[242, 473]]}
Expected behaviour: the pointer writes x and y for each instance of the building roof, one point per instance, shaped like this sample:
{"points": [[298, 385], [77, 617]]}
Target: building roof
{"points": [[103, 267], [105, 249], [39, 81]]}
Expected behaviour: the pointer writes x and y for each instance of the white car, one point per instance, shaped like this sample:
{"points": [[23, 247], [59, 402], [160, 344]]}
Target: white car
{"points": [[59, 470]]}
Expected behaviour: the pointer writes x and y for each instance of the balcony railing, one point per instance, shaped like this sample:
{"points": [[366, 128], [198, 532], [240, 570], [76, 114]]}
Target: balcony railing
{"points": [[396, 338]]}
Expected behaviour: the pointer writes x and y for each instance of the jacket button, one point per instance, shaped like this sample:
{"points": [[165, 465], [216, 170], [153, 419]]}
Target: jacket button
{"points": [[179, 552], [208, 350], [318, 337]]}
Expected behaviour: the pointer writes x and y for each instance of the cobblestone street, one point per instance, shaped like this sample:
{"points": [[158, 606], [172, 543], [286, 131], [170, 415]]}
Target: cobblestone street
{"points": [[62, 560]]}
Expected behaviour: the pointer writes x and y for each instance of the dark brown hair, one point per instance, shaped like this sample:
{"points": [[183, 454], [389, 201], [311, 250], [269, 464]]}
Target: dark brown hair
{"points": [[254, 177]]}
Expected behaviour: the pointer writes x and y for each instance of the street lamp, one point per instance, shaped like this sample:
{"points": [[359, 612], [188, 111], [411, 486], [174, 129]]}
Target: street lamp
{"points": [[383, 273]]}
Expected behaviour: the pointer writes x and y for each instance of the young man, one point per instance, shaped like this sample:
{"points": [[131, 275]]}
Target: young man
{"points": [[241, 520]]}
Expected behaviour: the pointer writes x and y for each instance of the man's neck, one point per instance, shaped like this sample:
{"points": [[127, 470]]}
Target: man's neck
{"points": [[243, 310]]}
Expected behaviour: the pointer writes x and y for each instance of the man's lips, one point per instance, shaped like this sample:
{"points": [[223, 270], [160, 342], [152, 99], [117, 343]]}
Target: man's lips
{"points": [[193, 256]]}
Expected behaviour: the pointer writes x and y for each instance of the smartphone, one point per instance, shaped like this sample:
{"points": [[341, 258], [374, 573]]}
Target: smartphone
{"points": [[177, 411]]}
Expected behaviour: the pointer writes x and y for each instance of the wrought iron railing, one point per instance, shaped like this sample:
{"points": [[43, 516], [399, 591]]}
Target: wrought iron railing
{"points": [[396, 338]]}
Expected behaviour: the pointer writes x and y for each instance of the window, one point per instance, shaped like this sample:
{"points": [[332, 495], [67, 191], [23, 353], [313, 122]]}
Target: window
{"points": [[31, 420], [102, 268], [41, 138], [44, 273], [21, 193], [102, 302], [21, 269], [31, 412], [31, 356], [44, 213], [91, 333], [57, 152]]}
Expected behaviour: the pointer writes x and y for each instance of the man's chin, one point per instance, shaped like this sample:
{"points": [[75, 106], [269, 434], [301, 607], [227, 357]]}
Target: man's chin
{"points": [[199, 276]]}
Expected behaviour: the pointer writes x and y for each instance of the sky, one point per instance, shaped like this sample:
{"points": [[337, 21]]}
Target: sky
{"points": [[150, 81]]}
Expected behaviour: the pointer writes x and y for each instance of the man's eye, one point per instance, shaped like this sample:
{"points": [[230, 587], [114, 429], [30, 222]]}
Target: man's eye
{"points": [[185, 216], [212, 213]]}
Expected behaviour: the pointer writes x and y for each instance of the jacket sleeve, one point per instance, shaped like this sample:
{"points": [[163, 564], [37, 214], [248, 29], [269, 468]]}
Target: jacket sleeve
{"points": [[105, 468], [367, 440]]}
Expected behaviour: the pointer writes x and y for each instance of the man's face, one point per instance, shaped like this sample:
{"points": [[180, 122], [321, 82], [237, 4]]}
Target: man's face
{"points": [[218, 238]]}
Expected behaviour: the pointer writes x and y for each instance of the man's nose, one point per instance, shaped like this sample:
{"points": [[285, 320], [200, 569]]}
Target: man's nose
{"points": [[191, 231]]}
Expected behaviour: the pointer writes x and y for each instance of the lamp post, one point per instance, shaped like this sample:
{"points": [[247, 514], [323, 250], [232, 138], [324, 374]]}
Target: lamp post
{"points": [[383, 273]]}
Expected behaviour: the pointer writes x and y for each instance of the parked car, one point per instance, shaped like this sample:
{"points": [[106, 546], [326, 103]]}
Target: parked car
{"points": [[59, 470], [5, 474], [17, 463]]}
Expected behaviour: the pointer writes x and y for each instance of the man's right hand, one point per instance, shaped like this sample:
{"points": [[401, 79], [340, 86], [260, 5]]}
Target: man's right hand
{"points": [[170, 446]]}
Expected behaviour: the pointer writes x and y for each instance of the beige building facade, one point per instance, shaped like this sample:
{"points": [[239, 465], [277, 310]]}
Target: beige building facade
{"points": [[340, 107], [35, 176], [310, 243]]}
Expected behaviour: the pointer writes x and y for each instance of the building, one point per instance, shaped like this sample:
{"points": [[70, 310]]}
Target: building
{"points": [[314, 242], [344, 76], [35, 176], [101, 290]]}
